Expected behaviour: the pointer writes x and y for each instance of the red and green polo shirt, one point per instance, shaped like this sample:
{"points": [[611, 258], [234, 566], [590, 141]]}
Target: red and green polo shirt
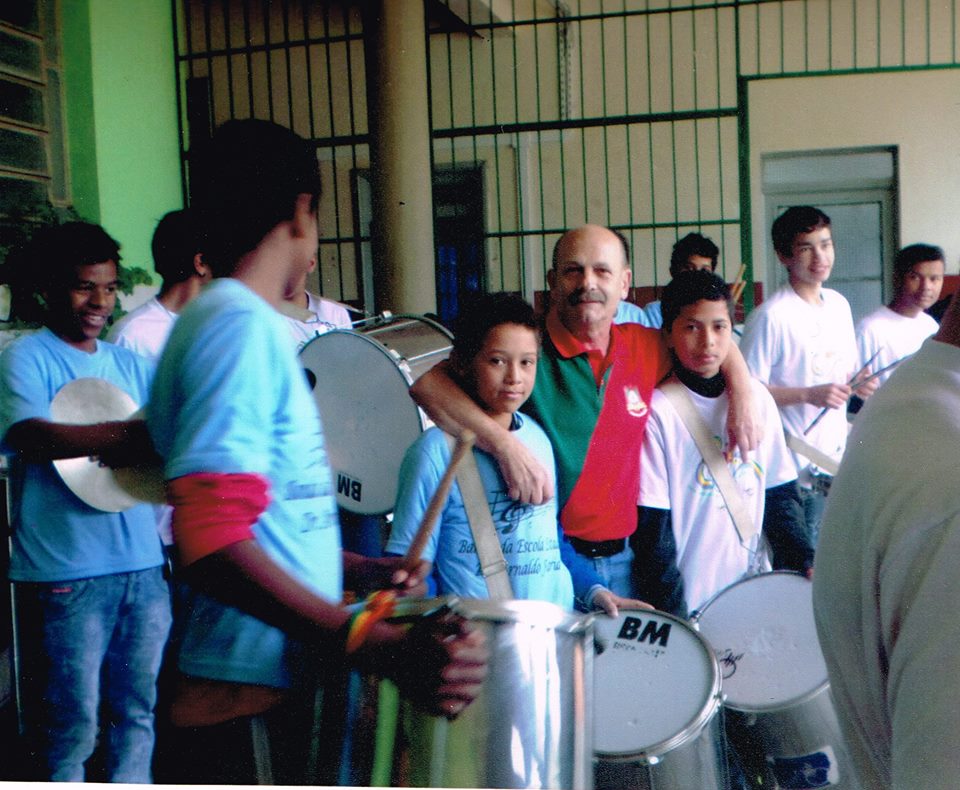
{"points": [[594, 408]]}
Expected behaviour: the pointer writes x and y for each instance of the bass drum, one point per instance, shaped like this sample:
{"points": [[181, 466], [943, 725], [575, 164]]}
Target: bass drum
{"points": [[657, 704], [779, 715], [360, 379]]}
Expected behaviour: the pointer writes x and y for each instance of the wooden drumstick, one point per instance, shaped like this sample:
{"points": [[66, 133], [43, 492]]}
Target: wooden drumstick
{"points": [[463, 446]]}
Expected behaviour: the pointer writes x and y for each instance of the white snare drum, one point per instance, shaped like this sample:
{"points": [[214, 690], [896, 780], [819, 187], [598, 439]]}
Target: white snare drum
{"points": [[656, 704], [780, 717], [360, 379]]}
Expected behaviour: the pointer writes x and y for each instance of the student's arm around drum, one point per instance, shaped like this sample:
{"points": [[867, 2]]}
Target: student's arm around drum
{"points": [[439, 395], [438, 664]]}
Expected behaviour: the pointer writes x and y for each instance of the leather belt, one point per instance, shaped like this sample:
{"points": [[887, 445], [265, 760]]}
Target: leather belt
{"points": [[598, 548]]}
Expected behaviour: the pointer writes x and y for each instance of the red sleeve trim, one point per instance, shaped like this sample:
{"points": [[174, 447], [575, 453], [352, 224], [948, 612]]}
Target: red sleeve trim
{"points": [[212, 511]]}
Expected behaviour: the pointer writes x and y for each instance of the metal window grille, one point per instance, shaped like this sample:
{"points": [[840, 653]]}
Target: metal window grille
{"points": [[629, 113]]}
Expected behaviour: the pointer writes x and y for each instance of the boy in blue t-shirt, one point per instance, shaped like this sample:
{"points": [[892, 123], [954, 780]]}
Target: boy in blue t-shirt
{"points": [[254, 517], [495, 350], [92, 602]]}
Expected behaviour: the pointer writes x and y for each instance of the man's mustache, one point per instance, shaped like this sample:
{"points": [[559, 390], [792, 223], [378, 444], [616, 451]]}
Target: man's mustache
{"points": [[587, 297]]}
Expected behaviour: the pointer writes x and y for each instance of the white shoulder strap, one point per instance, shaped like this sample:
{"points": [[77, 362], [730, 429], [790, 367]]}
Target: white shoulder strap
{"points": [[492, 562], [811, 453], [679, 397]]}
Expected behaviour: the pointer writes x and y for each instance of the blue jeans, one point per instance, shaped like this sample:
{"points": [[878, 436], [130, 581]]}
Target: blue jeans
{"points": [[89, 645], [615, 572], [813, 503]]}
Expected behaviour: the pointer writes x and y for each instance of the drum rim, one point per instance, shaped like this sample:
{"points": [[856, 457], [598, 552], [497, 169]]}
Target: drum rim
{"points": [[799, 699], [697, 614], [400, 369], [653, 753], [522, 612]]}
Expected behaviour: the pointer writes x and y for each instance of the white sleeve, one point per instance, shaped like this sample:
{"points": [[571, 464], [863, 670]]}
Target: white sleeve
{"points": [[867, 342], [654, 477], [760, 345]]}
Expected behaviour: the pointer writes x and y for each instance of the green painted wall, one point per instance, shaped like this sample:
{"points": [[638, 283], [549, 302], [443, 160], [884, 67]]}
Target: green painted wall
{"points": [[122, 117]]}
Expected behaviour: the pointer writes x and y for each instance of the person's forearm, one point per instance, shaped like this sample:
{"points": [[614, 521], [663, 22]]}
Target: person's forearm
{"points": [[242, 575], [41, 440], [736, 374], [788, 396]]}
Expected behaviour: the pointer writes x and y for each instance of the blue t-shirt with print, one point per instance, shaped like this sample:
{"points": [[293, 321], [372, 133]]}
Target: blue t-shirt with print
{"points": [[231, 398], [56, 536], [528, 534]]}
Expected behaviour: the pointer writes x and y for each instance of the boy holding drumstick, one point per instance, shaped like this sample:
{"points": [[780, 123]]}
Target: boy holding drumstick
{"points": [[495, 350]]}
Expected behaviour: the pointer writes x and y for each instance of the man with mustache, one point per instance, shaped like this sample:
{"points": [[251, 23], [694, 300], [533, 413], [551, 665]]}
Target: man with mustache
{"points": [[591, 396]]}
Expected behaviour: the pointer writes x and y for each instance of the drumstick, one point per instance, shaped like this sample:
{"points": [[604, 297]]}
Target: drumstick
{"points": [[853, 378], [883, 370], [738, 284], [463, 446]]}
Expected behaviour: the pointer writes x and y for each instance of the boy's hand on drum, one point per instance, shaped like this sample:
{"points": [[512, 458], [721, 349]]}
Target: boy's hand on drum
{"points": [[610, 603], [527, 479], [441, 664]]}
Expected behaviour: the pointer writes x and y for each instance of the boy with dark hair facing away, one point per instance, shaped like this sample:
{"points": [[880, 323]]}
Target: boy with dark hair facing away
{"points": [[254, 510], [895, 331], [177, 258], [93, 606], [495, 350], [677, 485], [800, 343]]}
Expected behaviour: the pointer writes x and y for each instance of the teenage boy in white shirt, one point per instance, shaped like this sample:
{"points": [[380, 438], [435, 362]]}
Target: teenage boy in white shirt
{"points": [[677, 484], [894, 331], [800, 343]]}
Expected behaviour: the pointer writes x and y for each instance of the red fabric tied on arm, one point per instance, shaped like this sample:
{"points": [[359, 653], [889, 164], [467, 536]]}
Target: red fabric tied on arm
{"points": [[212, 511]]}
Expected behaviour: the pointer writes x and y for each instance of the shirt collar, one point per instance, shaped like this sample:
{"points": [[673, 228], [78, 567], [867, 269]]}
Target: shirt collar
{"points": [[569, 346], [563, 340]]}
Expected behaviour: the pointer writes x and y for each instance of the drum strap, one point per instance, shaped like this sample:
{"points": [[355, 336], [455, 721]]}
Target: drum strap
{"points": [[492, 562], [811, 453], [679, 398]]}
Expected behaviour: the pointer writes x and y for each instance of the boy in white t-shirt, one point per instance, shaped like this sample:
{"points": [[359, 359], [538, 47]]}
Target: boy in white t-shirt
{"points": [[800, 343], [677, 484], [895, 331]]}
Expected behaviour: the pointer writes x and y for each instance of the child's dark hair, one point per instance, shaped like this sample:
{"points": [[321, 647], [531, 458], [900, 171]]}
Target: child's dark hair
{"points": [[244, 181], [692, 244], [910, 256], [794, 221], [55, 251], [483, 313], [689, 288]]}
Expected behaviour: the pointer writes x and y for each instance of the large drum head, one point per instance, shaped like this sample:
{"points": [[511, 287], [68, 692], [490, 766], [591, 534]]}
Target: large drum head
{"points": [[360, 381], [656, 684], [763, 631], [90, 400]]}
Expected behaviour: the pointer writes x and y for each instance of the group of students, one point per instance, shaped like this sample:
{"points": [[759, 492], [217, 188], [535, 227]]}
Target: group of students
{"points": [[259, 567], [599, 494]]}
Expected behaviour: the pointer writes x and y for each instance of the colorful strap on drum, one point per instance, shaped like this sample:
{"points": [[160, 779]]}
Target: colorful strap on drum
{"points": [[379, 607]]}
